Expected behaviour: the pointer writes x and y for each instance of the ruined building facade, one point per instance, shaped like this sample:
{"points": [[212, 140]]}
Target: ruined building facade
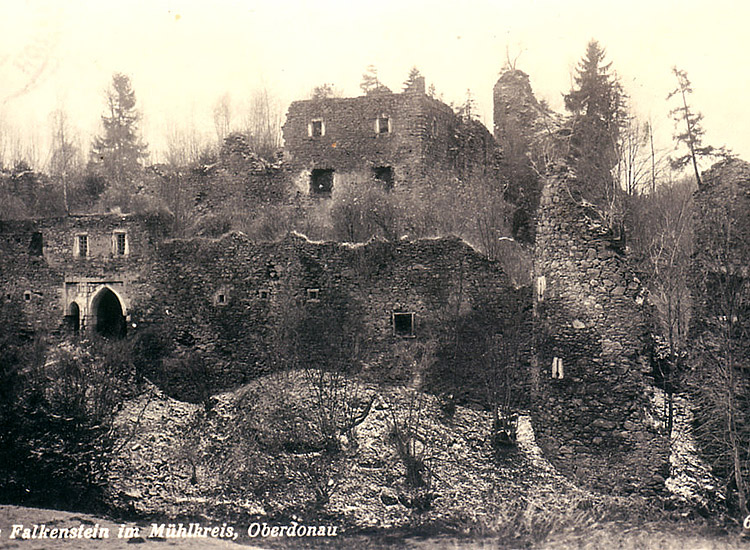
{"points": [[395, 140]]}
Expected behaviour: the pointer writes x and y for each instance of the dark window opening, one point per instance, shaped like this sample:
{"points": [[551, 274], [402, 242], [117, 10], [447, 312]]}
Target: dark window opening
{"points": [[221, 299], [83, 246], [36, 244], [120, 239], [383, 125], [321, 181], [27, 296], [263, 294], [313, 295], [403, 324], [384, 174], [316, 128], [109, 318]]}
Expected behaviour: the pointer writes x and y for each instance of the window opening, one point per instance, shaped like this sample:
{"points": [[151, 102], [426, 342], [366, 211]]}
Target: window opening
{"points": [[82, 242], [382, 125], [27, 296], [313, 294], [36, 245], [321, 181], [384, 175], [316, 128], [263, 294], [557, 368], [120, 243], [403, 324]]}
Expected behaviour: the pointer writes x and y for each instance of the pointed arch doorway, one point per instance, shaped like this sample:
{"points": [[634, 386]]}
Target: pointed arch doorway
{"points": [[108, 315]]}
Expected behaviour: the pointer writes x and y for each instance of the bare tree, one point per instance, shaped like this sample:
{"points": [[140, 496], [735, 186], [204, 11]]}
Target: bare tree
{"points": [[65, 160], [721, 381], [263, 124], [223, 117]]}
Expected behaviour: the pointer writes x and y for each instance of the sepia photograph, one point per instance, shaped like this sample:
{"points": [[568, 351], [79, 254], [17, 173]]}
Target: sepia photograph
{"points": [[403, 274]]}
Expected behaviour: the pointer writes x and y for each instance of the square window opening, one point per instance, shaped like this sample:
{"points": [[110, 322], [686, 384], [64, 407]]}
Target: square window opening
{"points": [[384, 175], [321, 181], [403, 324], [263, 294], [221, 298], [313, 295]]}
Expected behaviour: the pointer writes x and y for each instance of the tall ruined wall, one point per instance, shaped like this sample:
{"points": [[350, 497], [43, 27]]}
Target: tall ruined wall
{"points": [[232, 300], [592, 415]]}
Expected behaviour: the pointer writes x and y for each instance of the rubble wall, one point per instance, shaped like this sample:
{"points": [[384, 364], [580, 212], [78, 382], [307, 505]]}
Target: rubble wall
{"points": [[594, 422], [425, 138]]}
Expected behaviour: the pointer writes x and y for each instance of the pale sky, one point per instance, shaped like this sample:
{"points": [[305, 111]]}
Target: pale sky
{"points": [[182, 55]]}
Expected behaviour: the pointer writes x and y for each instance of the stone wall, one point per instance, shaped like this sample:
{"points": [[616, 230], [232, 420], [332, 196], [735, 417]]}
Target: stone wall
{"points": [[240, 303], [593, 415], [50, 275], [425, 137], [245, 307]]}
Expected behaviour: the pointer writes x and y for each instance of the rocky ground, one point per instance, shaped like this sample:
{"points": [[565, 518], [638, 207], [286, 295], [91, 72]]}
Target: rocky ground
{"points": [[179, 461]]}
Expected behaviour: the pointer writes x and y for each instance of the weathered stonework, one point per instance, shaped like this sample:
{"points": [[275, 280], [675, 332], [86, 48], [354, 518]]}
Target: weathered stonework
{"points": [[230, 299], [417, 136], [593, 413]]}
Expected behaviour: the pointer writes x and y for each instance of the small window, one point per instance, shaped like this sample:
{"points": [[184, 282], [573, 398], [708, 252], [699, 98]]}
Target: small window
{"points": [[403, 324], [263, 294], [321, 181], [119, 243], [36, 245], [384, 175], [27, 295], [316, 128], [221, 297], [313, 295], [82, 246], [382, 125], [557, 368]]}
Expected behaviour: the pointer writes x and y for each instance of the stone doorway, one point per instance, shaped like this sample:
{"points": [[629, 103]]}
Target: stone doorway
{"points": [[108, 315]]}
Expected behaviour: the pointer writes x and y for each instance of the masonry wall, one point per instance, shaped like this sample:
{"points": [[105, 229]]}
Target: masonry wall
{"points": [[425, 138], [47, 283], [235, 301], [595, 422]]}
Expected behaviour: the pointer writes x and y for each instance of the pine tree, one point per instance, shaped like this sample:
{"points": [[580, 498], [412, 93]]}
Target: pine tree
{"points": [[412, 79], [692, 137], [119, 153], [598, 104]]}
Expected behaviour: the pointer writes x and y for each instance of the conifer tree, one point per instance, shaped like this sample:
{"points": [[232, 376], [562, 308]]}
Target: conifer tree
{"points": [[597, 102], [692, 136], [118, 153]]}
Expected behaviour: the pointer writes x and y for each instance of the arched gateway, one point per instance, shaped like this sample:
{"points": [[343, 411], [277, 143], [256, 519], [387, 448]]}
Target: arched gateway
{"points": [[107, 314]]}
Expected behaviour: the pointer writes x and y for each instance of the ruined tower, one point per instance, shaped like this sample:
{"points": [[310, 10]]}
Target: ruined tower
{"points": [[592, 412]]}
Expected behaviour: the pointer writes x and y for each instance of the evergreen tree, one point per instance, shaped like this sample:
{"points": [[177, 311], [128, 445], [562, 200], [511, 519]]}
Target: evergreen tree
{"points": [[597, 102], [411, 80], [692, 137], [371, 83], [118, 154]]}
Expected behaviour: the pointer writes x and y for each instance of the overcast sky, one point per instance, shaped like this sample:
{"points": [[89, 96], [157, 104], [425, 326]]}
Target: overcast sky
{"points": [[182, 55]]}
